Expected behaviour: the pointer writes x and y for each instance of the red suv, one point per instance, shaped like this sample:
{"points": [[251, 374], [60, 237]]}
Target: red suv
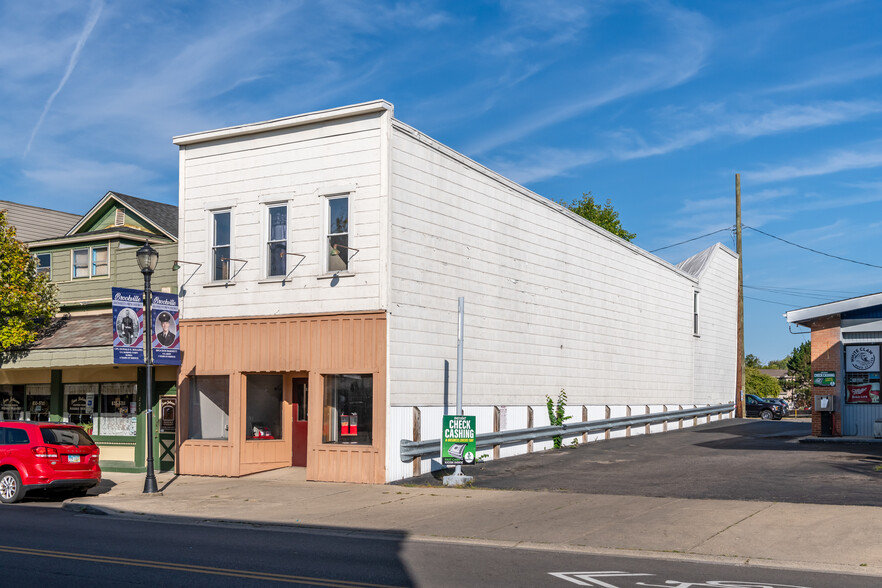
{"points": [[45, 456]]}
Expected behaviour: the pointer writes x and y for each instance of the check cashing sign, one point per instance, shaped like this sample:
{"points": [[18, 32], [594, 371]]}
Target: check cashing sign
{"points": [[457, 440]]}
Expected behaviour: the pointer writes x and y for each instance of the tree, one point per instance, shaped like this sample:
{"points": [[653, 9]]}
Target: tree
{"points": [[751, 360], [778, 364], [760, 384], [602, 215], [27, 299], [799, 367]]}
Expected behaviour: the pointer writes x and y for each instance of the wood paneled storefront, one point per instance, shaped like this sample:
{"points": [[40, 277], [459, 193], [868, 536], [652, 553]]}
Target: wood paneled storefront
{"points": [[243, 352]]}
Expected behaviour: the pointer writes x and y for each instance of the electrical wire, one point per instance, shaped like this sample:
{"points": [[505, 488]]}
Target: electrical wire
{"points": [[693, 239], [812, 250]]}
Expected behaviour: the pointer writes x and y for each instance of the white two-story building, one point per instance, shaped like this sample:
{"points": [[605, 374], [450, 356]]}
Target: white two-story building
{"points": [[322, 258]]}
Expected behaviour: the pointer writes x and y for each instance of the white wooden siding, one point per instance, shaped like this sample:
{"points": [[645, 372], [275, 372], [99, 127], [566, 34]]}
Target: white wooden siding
{"points": [[716, 352], [295, 166], [550, 303]]}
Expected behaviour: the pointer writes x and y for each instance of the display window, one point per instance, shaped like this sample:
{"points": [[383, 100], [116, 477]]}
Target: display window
{"points": [[37, 399], [263, 407], [862, 369], [348, 409], [209, 407], [80, 403], [118, 410], [12, 402]]}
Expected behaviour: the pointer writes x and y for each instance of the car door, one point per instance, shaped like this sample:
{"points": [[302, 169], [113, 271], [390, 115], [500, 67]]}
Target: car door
{"points": [[752, 406]]}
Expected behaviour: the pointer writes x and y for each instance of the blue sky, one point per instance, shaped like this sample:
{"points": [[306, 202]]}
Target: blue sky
{"points": [[655, 105]]}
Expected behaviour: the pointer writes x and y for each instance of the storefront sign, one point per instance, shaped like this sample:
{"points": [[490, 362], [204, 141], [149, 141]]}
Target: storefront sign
{"points": [[825, 379], [862, 358], [80, 404], [167, 413], [128, 325], [457, 440], [166, 343]]}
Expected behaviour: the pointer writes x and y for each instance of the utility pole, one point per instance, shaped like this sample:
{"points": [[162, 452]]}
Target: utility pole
{"points": [[739, 378]]}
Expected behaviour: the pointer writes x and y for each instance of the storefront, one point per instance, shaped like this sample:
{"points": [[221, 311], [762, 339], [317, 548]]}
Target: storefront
{"points": [[846, 347], [247, 385]]}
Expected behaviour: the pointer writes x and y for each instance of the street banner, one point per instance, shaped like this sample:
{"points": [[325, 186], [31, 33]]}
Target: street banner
{"points": [[166, 342], [128, 325], [457, 440]]}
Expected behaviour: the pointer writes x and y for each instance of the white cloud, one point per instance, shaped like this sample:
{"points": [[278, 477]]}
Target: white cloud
{"points": [[829, 163]]}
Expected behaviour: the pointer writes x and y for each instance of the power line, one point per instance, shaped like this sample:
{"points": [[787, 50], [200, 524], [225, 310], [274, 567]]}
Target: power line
{"points": [[693, 239], [812, 250], [769, 301]]}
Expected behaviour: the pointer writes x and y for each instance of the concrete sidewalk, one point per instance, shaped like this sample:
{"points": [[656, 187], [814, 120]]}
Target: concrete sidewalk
{"points": [[801, 536]]}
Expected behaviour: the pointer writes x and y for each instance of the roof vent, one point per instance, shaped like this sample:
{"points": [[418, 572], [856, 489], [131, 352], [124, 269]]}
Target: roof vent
{"points": [[120, 217]]}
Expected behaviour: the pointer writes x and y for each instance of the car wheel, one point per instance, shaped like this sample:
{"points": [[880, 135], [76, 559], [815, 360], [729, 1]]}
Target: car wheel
{"points": [[10, 487], [766, 415]]}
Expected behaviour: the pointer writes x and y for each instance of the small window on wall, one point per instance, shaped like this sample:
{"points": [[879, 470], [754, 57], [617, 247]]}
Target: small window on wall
{"points": [[348, 409], [209, 407], [99, 261], [338, 234], [12, 402], [44, 263], [695, 313], [220, 249], [80, 263], [862, 368], [277, 240], [263, 407]]}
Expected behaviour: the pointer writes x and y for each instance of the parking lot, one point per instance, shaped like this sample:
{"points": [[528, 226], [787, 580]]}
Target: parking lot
{"points": [[737, 459]]}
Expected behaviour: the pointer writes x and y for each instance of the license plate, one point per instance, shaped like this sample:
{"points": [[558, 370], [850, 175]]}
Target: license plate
{"points": [[73, 459]]}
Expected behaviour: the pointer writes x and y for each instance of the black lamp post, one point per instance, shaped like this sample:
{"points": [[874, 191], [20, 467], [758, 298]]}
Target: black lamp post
{"points": [[147, 260]]}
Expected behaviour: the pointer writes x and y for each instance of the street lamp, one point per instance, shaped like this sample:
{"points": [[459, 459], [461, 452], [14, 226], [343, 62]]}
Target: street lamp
{"points": [[147, 260]]}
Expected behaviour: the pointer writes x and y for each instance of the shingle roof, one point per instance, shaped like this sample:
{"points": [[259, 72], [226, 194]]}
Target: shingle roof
{"points": [[164, 215], [95, 330], [32, 223]]}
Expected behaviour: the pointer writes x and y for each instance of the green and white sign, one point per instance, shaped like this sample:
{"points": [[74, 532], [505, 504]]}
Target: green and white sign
{"points": [[457, 440], [825, 379]]}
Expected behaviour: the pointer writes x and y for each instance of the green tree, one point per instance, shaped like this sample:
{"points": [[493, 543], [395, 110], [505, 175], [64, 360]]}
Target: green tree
{"points": [[760, 384], [751, 360], [778, 364], [602, 215], [799, 367], [27, 299]]}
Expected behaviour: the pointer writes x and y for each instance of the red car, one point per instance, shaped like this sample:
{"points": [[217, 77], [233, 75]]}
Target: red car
{"points": [[45, 456]]}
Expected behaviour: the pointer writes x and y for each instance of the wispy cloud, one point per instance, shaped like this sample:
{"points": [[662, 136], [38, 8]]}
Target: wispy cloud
{"points": [[829, 163], [688, 37], [91, 20]]}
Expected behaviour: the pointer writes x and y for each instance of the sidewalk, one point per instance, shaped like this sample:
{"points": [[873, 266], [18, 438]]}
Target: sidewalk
{"points": [[801, 536]]}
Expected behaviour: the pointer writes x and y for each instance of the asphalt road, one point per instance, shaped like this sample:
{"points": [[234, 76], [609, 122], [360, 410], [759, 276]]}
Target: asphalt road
{"points": [[48, 547], [738, 459]]}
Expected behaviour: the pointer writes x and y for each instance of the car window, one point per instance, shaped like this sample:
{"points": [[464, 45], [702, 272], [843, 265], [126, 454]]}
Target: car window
{"points": [[13, 436], [65, 436], [750, 400]]}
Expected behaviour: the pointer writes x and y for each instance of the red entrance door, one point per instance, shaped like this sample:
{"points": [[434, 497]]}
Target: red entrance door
{"points": [[300, 389]]}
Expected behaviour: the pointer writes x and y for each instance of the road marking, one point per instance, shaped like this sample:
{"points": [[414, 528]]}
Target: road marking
{"points": [[253, 575], [591, 578]]}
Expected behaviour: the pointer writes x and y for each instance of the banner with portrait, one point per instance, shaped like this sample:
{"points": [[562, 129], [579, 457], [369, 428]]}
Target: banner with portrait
{"points": [[166, 341], [128, 325]]}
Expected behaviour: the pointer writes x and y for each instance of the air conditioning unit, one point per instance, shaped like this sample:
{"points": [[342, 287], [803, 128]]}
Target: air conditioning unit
{"points": [[877, 429]]}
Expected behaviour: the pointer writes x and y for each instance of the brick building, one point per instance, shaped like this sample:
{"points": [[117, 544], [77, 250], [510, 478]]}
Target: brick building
{"points": [[846, 341]]}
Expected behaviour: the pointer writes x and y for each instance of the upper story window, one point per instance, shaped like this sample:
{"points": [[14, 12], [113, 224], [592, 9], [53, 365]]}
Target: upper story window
{"points": [[90, 262], [695, 313], [338, 233], [220, 250], [44, 263], [277, 240], [99, 261]]}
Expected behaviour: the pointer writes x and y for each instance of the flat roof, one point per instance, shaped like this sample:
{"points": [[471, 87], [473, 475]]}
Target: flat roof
{"points": [[801, 316]]}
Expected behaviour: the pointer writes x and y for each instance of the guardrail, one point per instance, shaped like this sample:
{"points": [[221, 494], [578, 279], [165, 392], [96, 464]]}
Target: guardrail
{"points": [[432, 447]]}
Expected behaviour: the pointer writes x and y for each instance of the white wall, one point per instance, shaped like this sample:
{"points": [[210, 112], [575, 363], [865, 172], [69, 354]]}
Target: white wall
{"points": [[717, 352], [552, 302], [296, 165]]}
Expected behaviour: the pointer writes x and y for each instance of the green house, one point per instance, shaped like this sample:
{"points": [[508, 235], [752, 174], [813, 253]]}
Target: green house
{"points": [[69, 374]]}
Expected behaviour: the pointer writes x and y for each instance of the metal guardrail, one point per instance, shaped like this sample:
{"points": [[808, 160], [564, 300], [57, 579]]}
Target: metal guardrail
{"points": [[432, 447]]}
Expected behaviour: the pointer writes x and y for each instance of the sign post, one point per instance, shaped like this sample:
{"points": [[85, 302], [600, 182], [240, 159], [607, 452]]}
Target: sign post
{"points": [[458, 479]]}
